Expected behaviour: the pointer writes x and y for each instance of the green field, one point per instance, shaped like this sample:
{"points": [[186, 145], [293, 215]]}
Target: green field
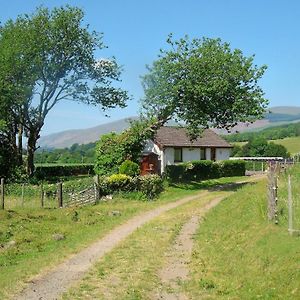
{"points": [[291, 143]]}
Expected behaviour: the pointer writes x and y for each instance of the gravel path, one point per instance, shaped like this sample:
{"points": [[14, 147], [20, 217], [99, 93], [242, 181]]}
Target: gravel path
{"points": [[59, 279], [176, 269]]}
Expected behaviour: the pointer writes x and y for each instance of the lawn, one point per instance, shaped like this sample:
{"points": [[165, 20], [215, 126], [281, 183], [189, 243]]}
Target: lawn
{"points": [[27, 244]]}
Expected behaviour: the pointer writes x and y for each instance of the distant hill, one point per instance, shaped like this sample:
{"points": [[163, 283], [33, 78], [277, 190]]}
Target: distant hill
{"points": [[82, 136], [278, 115]]}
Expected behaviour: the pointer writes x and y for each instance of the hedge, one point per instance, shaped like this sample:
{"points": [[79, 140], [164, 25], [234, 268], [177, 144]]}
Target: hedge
{"points": [[48, 171], [149, 185], [205, 169]]}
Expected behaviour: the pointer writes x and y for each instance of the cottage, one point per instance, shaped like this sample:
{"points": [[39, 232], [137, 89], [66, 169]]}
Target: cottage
{"points": [[172, 145]]}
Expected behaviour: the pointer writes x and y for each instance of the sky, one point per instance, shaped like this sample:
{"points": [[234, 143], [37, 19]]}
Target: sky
{"points": [[135, 30]]}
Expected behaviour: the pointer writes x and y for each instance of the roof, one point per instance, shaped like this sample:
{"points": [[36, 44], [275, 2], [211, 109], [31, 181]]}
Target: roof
{"points": [[177, 137]]}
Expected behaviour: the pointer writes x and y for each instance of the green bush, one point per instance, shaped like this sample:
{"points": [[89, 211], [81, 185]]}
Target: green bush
{"points": [[205, 169], [150, 185], [129, 168], [118, 182], [230, 168]]}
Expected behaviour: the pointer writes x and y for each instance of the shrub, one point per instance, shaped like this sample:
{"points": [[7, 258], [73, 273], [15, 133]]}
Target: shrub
{"points": [[129, 168], [118, 182], [231, 168], [150, 185]]}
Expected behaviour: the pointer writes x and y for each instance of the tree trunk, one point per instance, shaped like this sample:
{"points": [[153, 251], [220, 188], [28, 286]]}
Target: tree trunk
{"points": [[20, 145], [31, 147]]}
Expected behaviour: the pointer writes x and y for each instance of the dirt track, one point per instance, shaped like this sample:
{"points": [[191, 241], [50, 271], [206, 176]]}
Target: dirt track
{"points": [[58, 280]]}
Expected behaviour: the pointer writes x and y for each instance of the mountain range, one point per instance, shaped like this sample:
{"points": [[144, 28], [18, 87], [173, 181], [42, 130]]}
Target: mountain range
{"points": [[274, 117]]}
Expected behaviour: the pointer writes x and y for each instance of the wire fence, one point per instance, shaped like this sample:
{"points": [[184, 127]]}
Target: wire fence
{"points": [[62, 194], [283, 194]]}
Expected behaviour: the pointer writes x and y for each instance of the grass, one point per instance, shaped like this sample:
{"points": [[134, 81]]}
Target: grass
{"points": [[291, 143], [31, 230], [238, 254]]}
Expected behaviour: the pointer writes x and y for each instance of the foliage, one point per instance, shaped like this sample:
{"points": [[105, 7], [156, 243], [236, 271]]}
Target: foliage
{"points": [[109, 154], [57, 51], [113, 149], [204, 83], [118, 182], [129, 168], [231, 168], [261, 148], [75, 154], [205, 169], [150, 185]]}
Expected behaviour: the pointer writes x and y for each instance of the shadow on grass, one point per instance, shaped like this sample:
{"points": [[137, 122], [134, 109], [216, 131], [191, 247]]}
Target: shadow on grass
{"points": [[211, 185]]}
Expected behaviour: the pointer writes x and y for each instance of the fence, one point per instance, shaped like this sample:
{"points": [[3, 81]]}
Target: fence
{"points": [[283, 196], [76, 193]]}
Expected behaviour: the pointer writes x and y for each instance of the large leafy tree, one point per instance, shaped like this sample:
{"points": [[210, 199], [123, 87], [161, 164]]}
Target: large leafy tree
{"points": [[58, 52], [204, 83]]}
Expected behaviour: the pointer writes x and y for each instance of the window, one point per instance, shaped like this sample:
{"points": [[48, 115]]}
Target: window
{"points": [[202, 154], [177, 154]]}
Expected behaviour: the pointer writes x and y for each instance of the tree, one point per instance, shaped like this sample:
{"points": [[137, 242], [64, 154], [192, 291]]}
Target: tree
{"points": [[113, 149], [277, 150], [260, 147], [58, 52], [203, 83]]}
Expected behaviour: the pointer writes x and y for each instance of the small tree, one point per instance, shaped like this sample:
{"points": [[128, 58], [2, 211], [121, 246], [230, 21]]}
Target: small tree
{"points": [[203, 83], [58, 52], [113, 149]]}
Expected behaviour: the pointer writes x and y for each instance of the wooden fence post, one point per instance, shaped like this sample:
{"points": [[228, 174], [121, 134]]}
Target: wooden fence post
{"points": [[272, 193], [42, 196], [2, 193], [60, 195], [96, 186], [290, 205]]}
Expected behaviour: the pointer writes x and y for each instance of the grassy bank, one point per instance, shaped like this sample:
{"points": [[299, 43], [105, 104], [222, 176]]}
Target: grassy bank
{"points": [[26, 234], [238, 254]]}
